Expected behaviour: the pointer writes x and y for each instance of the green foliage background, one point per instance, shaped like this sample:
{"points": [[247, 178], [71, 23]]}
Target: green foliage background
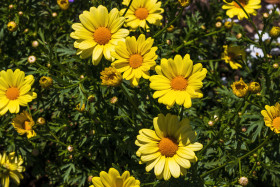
{"points": [[103, 135]]}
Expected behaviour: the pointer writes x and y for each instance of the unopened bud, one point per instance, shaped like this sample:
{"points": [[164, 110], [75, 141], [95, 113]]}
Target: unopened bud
{"points": [[275, 65], [41, 121], [218, 24], [20, 13], [265, 15], [113, 100], [70, 148], [35, 44], [54, 14], [31, 59], [244, 129], [210, 123], [243, 181], [239, 35]]}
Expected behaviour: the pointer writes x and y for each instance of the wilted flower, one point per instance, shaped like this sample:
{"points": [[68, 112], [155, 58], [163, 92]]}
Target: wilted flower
{"points": [[23, 123], [254, 87], [63, 4], [10, 167], [111, 77], [184, 3], [240, 88], [12, 26], [46, 82]]}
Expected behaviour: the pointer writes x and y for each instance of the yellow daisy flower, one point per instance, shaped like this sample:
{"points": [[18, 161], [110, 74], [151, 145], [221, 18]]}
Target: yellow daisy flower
{"points": [[23, 124], [240, 88], [170, 148], [178, 81], [233, 9], [142, 11], [111, 77], [232, 54], [98, 33], [271, 116], [135, 58], [113, 178], [10, 167], [15, 90]]}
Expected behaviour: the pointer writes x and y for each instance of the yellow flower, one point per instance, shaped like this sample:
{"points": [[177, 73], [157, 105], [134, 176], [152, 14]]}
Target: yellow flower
{"points": [[170, 28], [63, 4], [184, 3], [170, 148], [98, 33], [233, 9], [12, 26], [240, 88], [79, 108], [178, 81], [113, 178], [23, 124], [135, 58], [228, 24], [271, 116], [46, 82], [15, 90], [142, 11], [10, 167], [254, 87], [274, 32], [232, 54], [111, 77]]}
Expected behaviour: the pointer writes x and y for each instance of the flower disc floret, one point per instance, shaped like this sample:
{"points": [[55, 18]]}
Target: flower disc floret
{"points": [[134, 58], [178, 81], [169, 149], [15, 90], [271, 116], [98, 33], [142, 11]]}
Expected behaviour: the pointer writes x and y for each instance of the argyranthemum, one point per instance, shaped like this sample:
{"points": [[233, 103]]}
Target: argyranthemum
{"points": [[98, 33], [23, 123], [135, 58], [170, 148], [15, 90], [113, 178], [111, 77], [142, 11], [10, 167], [178, 81], [271, 116], [233, 9], [233, 54]]}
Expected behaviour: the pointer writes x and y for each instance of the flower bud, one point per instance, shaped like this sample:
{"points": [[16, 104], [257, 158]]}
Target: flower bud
{"points": [[265, 15], [11, 6], [243, 181], [184, 3], [41, 121], [240, 88], [35, 43], [210, 123], [218, 24], [12, 26], [244, 129], [54, 14], [113, 100], [254, 87], [275, 65], [82, 76], [238, 36], [70, 148], [63, 4], [91, 98], [20, 13], [26, 30], [46, 82], [79, 108], [274, 32], [31, 59]]}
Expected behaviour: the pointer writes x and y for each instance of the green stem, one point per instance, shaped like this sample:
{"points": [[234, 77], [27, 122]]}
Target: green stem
{"points": [[130, 2], [131, 101], [191, 41], [240, 158], [70, 86], [213, 60], [168, 25]]}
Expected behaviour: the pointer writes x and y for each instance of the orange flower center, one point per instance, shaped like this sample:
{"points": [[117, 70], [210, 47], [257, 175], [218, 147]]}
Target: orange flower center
{"points": [[102, 35], [27, 125], [135, 61], [12, 93], [242, 2], [168, 147], [276, 123], [179, 83], [141, 13]]}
